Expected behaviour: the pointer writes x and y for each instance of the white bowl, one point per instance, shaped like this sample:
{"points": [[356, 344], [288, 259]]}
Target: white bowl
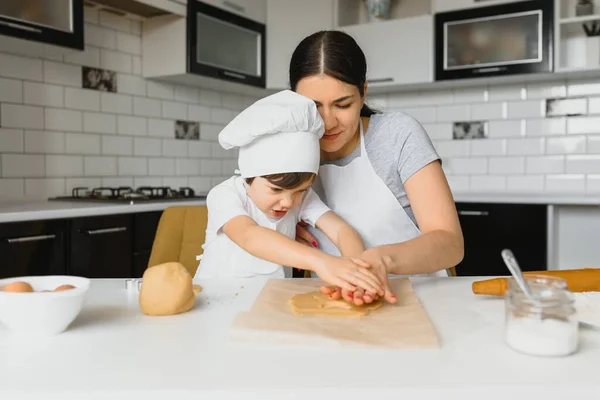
{"points": [[42, 313]]}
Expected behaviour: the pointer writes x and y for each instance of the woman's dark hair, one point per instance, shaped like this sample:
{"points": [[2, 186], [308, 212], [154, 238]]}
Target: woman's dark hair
{"points": [[332, 53], [290, 180]]}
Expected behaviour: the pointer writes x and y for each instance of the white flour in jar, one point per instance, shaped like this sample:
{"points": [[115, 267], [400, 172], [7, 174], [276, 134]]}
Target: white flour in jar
{"points": [[547, 337]]}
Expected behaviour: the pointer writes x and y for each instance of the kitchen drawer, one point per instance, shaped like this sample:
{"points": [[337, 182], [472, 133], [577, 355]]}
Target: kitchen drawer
{"points": [[145, 225], [32, 248]]}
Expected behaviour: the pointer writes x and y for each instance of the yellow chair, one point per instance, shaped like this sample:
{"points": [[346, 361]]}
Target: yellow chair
{"points": [[179, 236]]}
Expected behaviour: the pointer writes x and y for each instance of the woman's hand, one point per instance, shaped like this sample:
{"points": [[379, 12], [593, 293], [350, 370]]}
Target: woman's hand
{"points": [[350, 274]]}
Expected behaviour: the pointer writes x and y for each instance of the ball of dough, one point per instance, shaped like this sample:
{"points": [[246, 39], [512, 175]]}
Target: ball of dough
{"points": [[166, 290]]}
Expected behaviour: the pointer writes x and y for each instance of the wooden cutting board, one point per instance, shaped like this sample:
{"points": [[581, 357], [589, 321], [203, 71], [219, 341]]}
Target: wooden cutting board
{"points": [[403, 325]]}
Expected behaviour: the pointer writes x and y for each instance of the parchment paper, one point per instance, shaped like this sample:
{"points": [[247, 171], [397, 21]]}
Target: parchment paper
{"points": [[403, 325]]}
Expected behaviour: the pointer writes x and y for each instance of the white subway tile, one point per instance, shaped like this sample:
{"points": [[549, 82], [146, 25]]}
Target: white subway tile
{"points": [[100, 166], [507, 92], [174, 148], [402, 100], [583, 125], [161, 166], [44, 188], [452, 148], [62, 74], [488, 183], [90, 183], [506, 165], [458, 183], [18, 116], [198, 113], [174, 181], [197, 149], [488, 111], [115, 22], [594, 105], [40, 94], [147, 147], [63, 166], [101, 37], [131, 84], [221, 116], [90, 57], [219, 152], [500, 129], [421, 114], [453, 113], [116, 103], [211, 167], [470, 95], [174, 110], [187, 94], [188, 166], [436, 98], [593, 184], [438, 131], [127, 125], [11, 91], [583, 164], [525, 183], [129, 43], [546, 127], [526, 109], [488, 147], [44, 142], [146, 107], [233, 101], [161, 90], [210, 131], [63, 120], [593, 144], [22, 165], [545, 165], [114, 61], [136, 26], [467, 166], [90, 15], [147, 181], [544, 90], [12, 189], [117, 182], [161, 128], [11, 141], [20, 67], [133, 166], [99, 123], [201, 185], [583, 87], [117, 145], [526, 147], [565, 183], [137, 65], [210, 98], [77, 143], [566, 145], [82, 99]]}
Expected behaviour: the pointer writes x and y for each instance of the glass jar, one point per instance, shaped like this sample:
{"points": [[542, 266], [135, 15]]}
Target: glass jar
{"points": [[548, 327]]}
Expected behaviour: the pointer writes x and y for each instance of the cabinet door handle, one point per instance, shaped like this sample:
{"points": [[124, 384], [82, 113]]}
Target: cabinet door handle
{"points": [[380, 80], [30, 238], [234, 6], [474, 213], [21, 27], [105, 230]]}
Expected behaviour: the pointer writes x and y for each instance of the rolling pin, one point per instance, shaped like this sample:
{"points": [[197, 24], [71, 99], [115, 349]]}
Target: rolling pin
{"points": [[578, 280]]}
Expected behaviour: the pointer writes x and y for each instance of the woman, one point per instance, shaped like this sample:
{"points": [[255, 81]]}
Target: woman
{"points": [[379, 171]]}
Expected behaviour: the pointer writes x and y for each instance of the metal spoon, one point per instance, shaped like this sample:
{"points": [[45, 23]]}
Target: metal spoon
{"points": [[515, 270]]}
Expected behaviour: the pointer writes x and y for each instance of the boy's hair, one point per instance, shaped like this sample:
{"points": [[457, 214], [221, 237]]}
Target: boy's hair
{"points": [[289, 180]]}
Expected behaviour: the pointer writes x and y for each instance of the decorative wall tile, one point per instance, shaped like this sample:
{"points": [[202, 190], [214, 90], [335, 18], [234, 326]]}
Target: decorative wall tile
{"points": [[99, 79], [566, 107], [189, 130], [469, 130]]}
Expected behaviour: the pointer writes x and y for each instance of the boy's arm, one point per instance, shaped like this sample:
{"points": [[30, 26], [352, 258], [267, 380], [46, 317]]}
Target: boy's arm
{"points": [[346, 239]]}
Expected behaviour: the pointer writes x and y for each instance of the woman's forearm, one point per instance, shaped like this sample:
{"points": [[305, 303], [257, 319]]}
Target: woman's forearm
{"points": [[430, 252]]}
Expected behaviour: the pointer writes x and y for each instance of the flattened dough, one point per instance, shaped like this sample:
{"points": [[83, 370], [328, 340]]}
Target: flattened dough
{"points": [[320, 305]]}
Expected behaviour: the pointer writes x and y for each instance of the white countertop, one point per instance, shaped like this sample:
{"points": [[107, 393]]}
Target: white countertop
{"points": [[113, 347], [11, 211], [523, 198]]}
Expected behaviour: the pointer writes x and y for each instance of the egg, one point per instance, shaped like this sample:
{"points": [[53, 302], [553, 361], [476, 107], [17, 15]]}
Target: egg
{"points": [[64, 287], [18, 287]]}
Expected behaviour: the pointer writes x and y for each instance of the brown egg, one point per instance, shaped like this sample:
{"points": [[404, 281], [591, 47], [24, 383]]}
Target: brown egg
{"points": [[64, 287], [18, 287]]}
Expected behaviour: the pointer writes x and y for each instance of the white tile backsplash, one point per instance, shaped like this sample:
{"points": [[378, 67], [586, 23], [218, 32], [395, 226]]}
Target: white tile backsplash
{"points": [[99, 123], [543, 90], [44, 188], [583, 87], [11, 140], [12, 189], [452, 148], [131, 84], [62, 74], [147, 147], [468, 166], [77, 143], [579, 164], [174, 148], [127, 43], [64, 166], [161, 166], [63, 120], [593, 144], [567, 183], [506, 165], [82, 99], [507, 92], [566, 145], [90, 57], [526, 146], [545, 165], [12, 66], [161, 127], [161, 90], [593, 184], [546, 127], [21, 116], [526, 109], [11, 91], [133, 166], [488, 147], [100, 166], [525, 183], [116, 103], [117, 145], [22, 165], [116, 61], [489, 183], [500, 129], [100, 36], [146, 107], [40, 94], [175, 110], [453, 113], [583, 125], [135, 126], [44, 142], [488, 111]]}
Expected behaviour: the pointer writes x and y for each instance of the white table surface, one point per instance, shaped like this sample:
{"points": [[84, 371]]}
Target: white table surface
{"points": [[113, 351]]}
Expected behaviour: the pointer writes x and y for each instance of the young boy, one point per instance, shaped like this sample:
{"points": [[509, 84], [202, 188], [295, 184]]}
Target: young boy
{"points": [[252, 216]]}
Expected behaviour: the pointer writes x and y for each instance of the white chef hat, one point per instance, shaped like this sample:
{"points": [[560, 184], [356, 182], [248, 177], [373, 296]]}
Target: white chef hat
{"points": [[277, 134]]}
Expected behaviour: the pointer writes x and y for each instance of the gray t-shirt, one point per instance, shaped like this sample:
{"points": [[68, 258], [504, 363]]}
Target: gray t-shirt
{"points": [[397, 146]]}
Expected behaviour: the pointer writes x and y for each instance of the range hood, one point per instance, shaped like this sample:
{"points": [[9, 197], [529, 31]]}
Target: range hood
{"points": [[142, 8]]}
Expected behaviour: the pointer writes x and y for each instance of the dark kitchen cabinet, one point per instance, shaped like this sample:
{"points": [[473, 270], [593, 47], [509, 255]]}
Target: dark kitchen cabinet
{"points": [[490, 228], [144, 230], [32, 248], [101, 247]]}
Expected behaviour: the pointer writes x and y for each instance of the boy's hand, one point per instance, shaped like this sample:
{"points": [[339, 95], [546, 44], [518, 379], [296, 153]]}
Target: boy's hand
{"points": [[349, 274]]}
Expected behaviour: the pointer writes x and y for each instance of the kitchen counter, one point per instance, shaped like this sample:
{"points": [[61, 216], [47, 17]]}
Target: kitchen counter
{"points": [[523, 198], [12, 211], [113, 347]]}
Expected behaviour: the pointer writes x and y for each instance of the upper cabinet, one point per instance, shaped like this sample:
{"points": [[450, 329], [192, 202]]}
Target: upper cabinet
{"points": [[452, 5], [288, 22]]}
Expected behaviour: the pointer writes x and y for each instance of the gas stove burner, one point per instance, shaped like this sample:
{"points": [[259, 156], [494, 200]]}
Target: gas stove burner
{"points": [[131, 195]]}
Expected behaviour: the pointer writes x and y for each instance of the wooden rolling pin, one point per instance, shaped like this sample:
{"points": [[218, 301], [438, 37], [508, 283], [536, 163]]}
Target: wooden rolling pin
{"points": [[578, 280]]}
